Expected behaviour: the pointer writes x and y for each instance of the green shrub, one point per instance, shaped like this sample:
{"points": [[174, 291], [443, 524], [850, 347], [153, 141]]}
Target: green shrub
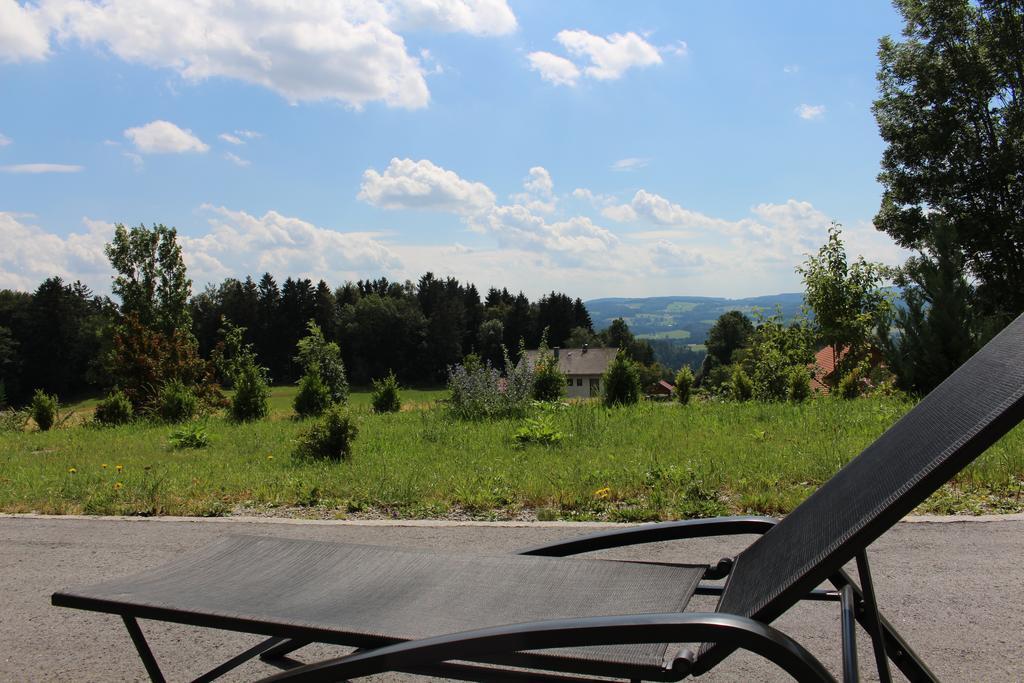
{"points": [[313, 397], [43, 409], [115, 409], [548, 380], [252, 396], [329, 438], [176, 402], [386, 398], [799, 384], [742, 387], [538, 430], [316, 352], [621, 381], [684, 384], [850, 384], [190, 436]]}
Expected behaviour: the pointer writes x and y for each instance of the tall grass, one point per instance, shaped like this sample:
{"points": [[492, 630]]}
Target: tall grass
{"points": [[650, 461]]}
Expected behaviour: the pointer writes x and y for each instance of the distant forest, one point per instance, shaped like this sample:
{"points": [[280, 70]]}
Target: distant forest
{"points": [[59, 337]]}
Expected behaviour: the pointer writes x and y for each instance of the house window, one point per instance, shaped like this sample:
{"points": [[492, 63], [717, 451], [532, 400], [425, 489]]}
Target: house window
{"points": [[579, 381], [595, 386], [568, 381]]}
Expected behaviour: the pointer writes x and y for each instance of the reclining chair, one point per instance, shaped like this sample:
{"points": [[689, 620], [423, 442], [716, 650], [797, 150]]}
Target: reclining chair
{"points": [[490, 617]]}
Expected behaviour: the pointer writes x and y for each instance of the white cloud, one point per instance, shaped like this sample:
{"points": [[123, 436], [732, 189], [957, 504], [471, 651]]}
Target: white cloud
{"points": [[476, 17], [656, 209], [678, 48], [136, 159], [239, 243], [236, 160], [596, 199], [629, 164], [612, 56], [233, 139], [163, 137], [408, 184], [538, 191], [348, 52], [791, 68], [673, 257], [4, 140], [31, 254], [42, 168], [235, 244], [554, 69], [809, 112], [248, 134], [24, 34], [574, 238]]}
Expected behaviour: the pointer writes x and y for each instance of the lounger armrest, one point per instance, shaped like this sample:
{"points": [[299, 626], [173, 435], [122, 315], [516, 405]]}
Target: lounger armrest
{"points": [[653, 533], [740, 632]]}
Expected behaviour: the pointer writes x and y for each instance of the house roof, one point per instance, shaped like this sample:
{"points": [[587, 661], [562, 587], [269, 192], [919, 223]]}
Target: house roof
{"points": [[824, 366], [590, 361]]}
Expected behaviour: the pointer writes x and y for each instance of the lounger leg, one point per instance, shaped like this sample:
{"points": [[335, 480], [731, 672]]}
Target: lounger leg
{"points": [[143, 647], [848, 611], [238, 660], [872, 616]]}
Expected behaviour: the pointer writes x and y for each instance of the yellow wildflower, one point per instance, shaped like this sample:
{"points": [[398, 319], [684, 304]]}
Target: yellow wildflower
{"points": [[270, 457], [119, 467], [71, 470], [104, 465], [118, 486], [603, 492]]}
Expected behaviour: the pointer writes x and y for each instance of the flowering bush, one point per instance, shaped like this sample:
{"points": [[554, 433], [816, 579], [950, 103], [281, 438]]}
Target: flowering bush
{"points": [[478, 390]]}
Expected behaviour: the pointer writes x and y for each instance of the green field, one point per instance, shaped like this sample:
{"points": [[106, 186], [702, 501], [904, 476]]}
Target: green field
{"points": [[651, 461]]}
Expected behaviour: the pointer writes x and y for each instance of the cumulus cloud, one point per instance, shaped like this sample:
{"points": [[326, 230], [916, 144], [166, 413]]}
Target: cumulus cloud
{"points": [[476, 17], [163, 137], [236, 160], [656, 209], [554, 69], [4, 140], [349, 52], [233, 139], [678, 48], [629, 164], [42, 168], [31, 254], [24, 33], [574, 238], [609, 57], [538, 191], [809, 112], [239, 243], [408, 184]]}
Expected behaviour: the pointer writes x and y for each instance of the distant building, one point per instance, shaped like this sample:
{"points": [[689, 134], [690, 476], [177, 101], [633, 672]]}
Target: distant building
{"points": [[824, 368], [660, 389], [582, 368]]}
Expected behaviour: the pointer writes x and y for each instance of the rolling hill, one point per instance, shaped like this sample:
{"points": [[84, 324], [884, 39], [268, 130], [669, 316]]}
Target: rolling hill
{"points": [[683, 319]]}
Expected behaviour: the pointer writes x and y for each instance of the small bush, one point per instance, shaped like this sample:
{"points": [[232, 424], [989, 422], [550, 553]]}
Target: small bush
{"points": [[742, 387], [313, 397], [43, 409], [548, 380], [477, 392], [850, 384], [115, 409], [386, 398], [325, 356], [176, 402], [252, 396], [799, 384], [538, 430], [189, 436], [684, 383], [330, 438], [621, 382], [13, 420]]}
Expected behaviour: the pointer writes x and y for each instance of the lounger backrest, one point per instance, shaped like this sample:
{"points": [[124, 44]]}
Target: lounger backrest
{"points": [[949, 428]]}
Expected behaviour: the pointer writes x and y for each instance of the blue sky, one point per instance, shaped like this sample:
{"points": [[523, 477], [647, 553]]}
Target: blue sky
{"points": [[598, 148]]}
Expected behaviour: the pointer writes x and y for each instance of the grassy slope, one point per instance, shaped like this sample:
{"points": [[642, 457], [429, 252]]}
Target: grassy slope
{"points": [[652, 461]]}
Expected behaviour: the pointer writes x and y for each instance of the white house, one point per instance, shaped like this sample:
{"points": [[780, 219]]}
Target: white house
{"points": [[582, 368]]}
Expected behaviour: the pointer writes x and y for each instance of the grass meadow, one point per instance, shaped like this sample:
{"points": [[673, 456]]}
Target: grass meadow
{"points": [[647, 462]]}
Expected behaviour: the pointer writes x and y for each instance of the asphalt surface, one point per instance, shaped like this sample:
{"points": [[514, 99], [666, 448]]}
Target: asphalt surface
{"points": [[955, 590]]}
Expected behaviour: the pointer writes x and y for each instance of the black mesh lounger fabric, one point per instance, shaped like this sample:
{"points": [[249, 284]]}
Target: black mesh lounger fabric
{"points": [[948, 429], [369, 595]]}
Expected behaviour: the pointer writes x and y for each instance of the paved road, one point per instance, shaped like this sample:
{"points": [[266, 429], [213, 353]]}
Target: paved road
{"points": [[955, 589]]}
